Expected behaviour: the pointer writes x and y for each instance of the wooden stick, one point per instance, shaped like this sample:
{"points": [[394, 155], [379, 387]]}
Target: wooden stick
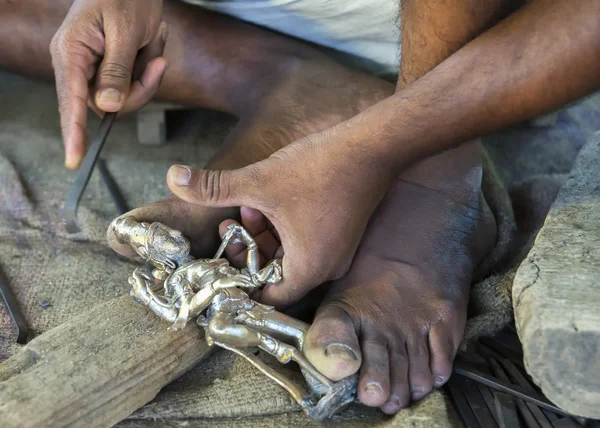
{"points": [[96, 369]]}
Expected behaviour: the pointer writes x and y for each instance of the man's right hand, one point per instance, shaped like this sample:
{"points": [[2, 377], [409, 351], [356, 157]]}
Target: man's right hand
{"points": [[107, 55]]}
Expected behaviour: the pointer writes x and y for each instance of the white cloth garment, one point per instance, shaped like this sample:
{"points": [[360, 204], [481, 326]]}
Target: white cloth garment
{"points": [[366, 31]]}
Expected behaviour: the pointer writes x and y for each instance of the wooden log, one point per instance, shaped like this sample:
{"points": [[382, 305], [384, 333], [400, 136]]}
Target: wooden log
{"points": [[556, 293], [95, 369]]}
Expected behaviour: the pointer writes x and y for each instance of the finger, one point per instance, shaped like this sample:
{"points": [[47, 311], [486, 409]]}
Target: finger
{"points": [[256, 224], [218, 189], [74, 67], [142, 91], [253, 220], [149, 70], [297, 281], [152, 50], [114, 75]]}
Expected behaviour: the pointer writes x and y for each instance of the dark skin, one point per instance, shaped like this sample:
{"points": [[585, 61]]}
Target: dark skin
{"points": [[422, 119], [403, 358], [506, 75], [400, 256]]}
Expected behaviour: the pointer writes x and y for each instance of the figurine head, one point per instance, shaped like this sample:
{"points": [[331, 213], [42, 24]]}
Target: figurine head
{"points": [[163, 247]]}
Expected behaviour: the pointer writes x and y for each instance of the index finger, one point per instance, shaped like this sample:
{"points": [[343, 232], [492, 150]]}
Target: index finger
{"points": [[73, 70]]}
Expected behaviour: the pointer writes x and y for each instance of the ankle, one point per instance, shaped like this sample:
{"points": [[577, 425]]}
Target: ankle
{"points": [[457, 172]]}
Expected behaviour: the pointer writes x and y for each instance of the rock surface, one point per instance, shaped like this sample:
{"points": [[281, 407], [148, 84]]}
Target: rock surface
{"points": [[556, 293]]}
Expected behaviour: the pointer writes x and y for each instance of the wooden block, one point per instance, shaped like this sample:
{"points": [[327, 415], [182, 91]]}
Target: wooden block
{"points": [[152, 127], [556, 293], [95, 369], [152, 123]]}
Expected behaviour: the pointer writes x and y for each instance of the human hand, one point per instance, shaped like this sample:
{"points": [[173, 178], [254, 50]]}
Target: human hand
{"points": [[318, 193], [102, 46]]}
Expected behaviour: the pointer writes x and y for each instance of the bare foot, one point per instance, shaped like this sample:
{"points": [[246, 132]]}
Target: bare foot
{"points": [[403, 302], [399, 313]]}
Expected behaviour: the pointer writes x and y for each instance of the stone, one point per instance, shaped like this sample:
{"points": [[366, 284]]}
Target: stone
{"points": [[556, 293]]}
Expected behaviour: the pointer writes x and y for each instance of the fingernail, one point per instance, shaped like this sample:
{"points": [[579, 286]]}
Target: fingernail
{"points": [[337, 350], [109, 95], [71, 162], [179, 175], [164, 32], [373, 388], [439, 380]]}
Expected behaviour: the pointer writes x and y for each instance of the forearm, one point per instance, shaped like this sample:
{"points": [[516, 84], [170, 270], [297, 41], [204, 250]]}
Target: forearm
{"points": [[432, 31], [545, 55]]}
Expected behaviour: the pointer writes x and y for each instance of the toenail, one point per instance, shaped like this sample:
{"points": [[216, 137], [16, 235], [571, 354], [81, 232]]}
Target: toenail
{"points": [[439, 380], [338, 350], [179, 175], [392, 406], [373, 388], [417, 392]]}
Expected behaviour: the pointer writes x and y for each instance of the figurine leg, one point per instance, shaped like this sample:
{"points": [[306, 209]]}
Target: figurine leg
{"points": [[222, 328], [294, 390], [266, 319], [223, 331]]}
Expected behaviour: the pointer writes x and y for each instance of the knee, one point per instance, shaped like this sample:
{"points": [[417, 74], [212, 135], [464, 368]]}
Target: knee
{"points": [[232, 334]]}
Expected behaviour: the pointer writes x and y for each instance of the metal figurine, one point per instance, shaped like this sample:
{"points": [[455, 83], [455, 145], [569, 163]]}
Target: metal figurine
{"points": [[178, 288]]}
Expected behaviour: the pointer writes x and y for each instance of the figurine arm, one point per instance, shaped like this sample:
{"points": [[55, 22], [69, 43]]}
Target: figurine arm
{"points": [[204, 297]]}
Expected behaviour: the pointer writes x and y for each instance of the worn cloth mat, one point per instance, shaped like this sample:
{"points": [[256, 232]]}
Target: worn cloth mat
{"points": [[56, 276]]}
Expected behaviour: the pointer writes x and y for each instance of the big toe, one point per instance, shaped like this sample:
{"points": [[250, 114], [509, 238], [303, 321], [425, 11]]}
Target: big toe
{"points": [[198, 224], [332, 345]]}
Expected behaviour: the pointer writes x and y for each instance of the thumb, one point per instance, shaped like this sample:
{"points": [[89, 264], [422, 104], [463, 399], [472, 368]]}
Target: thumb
{"points": [[214, 188], [115, 72]]}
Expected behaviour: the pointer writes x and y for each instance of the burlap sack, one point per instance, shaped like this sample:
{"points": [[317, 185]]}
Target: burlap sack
{"points": [[56, 276]]}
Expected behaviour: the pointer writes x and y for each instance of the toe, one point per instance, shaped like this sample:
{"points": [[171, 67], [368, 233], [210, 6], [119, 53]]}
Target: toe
{"points": [[399, 388], [331, 343], [374, 383], [419, 373], [441, 353], [170, 212]]}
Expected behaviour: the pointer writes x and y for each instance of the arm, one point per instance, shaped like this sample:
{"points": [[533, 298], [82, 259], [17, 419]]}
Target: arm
{"points": [[433, 30], [319, 192], [545, 55]]}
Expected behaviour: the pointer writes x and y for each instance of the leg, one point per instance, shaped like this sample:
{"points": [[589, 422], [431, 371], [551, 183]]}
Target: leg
{"points": [[267, 320], [224, 331], [401, 309], [419, 251], [208, 68], [221, 330]]}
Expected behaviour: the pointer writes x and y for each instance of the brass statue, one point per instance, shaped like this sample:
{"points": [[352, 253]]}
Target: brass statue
{"points": [[178, 288]]}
